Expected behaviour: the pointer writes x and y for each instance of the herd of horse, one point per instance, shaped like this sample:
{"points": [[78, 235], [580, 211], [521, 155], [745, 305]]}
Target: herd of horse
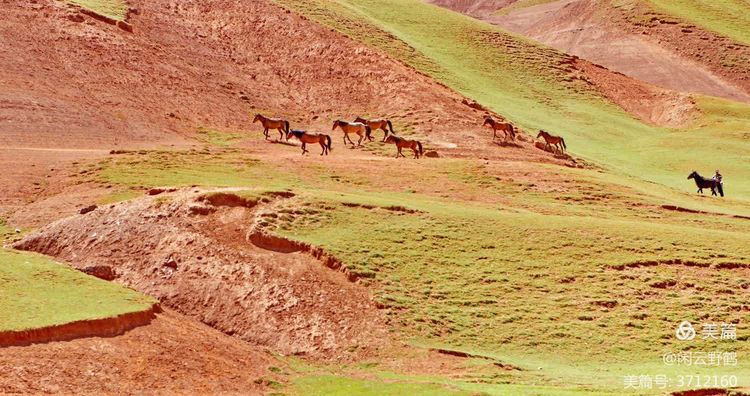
{"points": [[363, 128]]}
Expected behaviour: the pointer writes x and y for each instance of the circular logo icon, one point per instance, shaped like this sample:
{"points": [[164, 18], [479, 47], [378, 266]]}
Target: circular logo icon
{"points": [[685, 331]]}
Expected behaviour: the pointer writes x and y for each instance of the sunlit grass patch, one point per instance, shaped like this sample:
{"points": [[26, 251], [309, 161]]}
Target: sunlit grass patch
{"points": [[116, 9], [36, 292], [218, 138]]}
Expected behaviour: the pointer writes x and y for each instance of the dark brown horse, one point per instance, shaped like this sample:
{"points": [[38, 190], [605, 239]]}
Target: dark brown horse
{"points": [[702, 183], [401, 143], [383, 124], [304, 137], [359, 128], [552, 141], [272, 123], [507, 128]]}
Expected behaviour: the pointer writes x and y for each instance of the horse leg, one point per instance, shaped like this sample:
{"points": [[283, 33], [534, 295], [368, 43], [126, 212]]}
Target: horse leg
{"points": [[346, 136], [359, 143], [281, 133], [265, 132], [322, 146], [385, 131], [416, 152]]}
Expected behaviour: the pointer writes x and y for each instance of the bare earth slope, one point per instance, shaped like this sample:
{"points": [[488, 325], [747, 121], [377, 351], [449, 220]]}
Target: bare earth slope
{"points": [[77, 87], [597, 32], [171, 355]]}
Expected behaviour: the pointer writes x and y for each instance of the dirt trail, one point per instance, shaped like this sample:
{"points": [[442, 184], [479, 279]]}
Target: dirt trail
{"points": [[585, 29], [173, 354], [195, 258]]}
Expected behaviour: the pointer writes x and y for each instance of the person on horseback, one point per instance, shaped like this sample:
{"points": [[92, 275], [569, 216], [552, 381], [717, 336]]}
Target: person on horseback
{"points": [[718, 177]]}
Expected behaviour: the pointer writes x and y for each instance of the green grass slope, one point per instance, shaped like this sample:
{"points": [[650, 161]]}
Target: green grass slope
{"points": [[116, 9], [572, 275], [36, 292], [729, 18], [530, 84]]}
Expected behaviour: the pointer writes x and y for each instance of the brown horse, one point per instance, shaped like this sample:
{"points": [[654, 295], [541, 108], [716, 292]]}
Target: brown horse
{"points": [[359, 128], [507, 128], [553, 141], [401, 143], [304, 137], [383, 124], [272, 123]]}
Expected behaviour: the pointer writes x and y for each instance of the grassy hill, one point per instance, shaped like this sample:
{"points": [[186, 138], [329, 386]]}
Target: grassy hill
{"points": [[529, 84], [571, 275]]}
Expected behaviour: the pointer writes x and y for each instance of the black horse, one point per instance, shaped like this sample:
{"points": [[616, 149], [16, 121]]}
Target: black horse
{"points": [[702, 183]]}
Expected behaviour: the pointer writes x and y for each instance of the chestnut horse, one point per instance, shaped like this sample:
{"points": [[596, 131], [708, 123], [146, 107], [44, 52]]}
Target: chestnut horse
{"points": [[382, 124], [552, 140], [401, 143], [702, 183], [506, 127], [272, 123], [304, 137], [359, 128]]}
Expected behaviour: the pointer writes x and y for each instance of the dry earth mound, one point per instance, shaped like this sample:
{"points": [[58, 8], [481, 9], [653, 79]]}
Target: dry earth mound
{"points": [[172, 355], [191, 251]]}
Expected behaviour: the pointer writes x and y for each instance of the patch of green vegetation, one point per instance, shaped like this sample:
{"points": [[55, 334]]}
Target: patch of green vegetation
{"points": [[344, 386], [227, 168], [119, 196], [36, 292], [218, 138], [116, 9], [729, 18], [533, 86]]}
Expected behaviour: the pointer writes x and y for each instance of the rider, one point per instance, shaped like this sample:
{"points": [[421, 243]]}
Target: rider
{"points": [[718, 177]]}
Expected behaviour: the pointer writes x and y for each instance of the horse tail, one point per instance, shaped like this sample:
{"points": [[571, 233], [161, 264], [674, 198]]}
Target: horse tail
{"points": [[286, 126], [328, 142], [368, 132], [390, 126], [563, 143], [421, 152]]}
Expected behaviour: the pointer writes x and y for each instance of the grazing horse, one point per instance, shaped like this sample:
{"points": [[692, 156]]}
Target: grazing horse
{"points": [[400, 143], [359, 128], [552, 140], [507, 128], [702, 183], [272, 123], [383, 124], [304, 137]]}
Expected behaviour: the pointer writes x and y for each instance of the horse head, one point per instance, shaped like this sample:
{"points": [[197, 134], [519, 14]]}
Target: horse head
{"points": [[488, 121], [257, 118], [693, 175], [360, 119], [540, 134], [336, 123], [391, 139]]}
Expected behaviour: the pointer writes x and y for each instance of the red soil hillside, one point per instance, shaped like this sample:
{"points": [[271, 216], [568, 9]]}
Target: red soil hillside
{"points": [[92, 85], [658, 49], [72, 84], [172, 355]]}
